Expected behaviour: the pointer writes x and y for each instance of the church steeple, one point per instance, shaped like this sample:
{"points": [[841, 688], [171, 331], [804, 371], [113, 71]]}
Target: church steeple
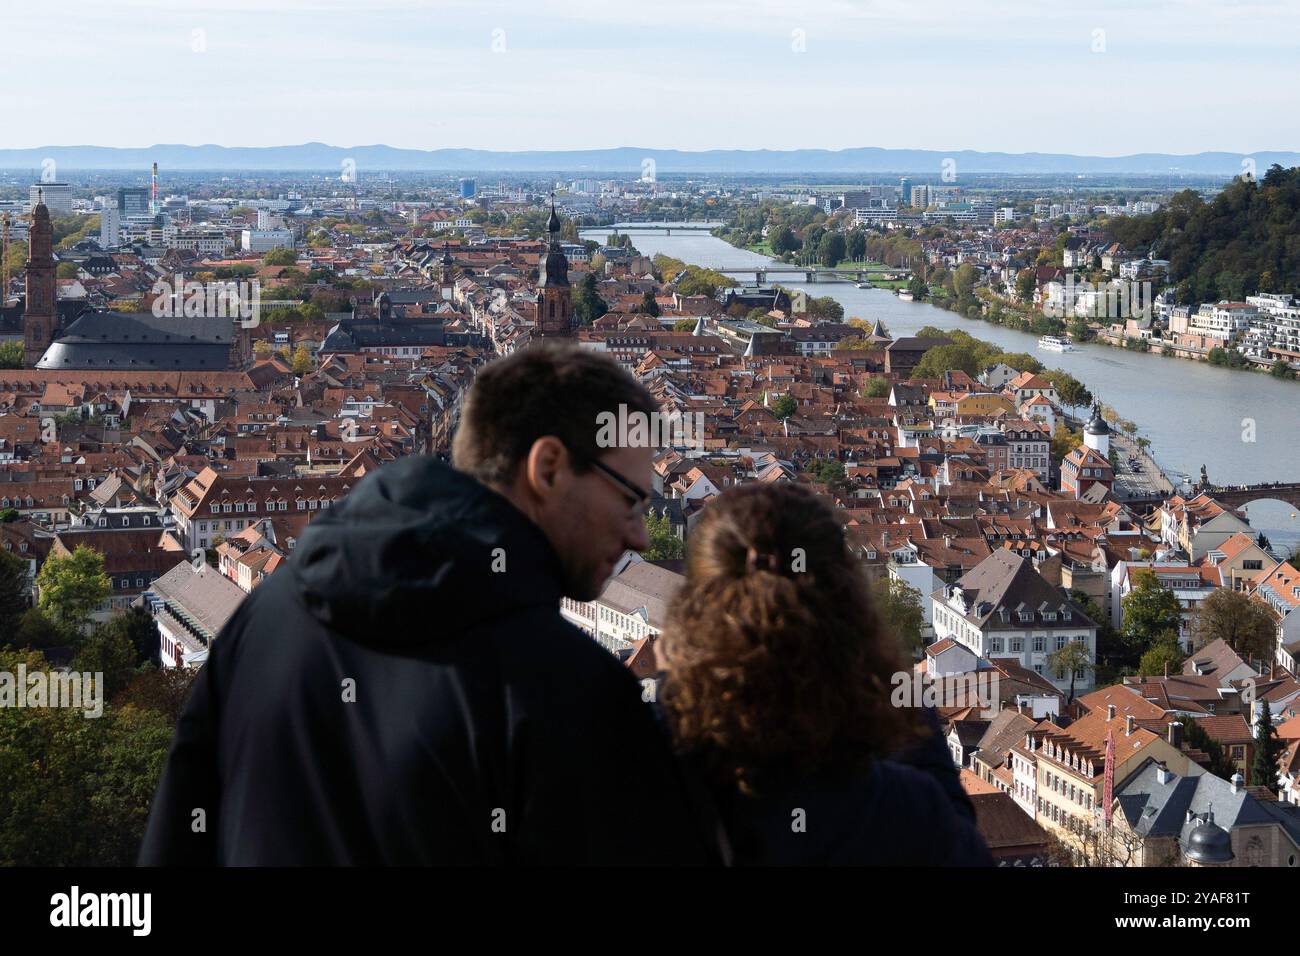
{"points": [[553, 223], [554, 297], [448, 273]]}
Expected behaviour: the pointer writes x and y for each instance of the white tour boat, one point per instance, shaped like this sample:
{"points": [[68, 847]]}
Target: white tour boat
{"points": [[1055, 343]]}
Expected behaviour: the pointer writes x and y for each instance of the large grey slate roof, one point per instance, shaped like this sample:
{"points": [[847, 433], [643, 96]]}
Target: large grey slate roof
{"points": [[100, 339], [1159, 809]]}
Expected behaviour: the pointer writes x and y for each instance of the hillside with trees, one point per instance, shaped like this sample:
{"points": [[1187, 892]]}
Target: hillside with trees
{"points": [[1244, 241]]}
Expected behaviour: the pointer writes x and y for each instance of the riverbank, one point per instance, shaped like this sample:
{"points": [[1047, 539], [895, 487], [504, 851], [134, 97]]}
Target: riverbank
{"points": [[1192, 412], [1032, 321]]}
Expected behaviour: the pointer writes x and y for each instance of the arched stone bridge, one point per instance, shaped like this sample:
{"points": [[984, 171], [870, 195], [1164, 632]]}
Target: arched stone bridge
{"points": [[1235, 496]]}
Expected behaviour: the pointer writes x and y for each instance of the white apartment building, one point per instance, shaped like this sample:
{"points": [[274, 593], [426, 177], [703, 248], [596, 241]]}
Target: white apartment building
{"points": [[110, 227], [633, 606], [1002, 607], [264, 240], [1222, 320], [876, 214], [268, 220], [1274, 329], [202, 241]]}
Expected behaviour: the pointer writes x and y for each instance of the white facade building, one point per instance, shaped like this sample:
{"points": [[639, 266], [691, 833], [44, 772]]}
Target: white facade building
{"points": [[1003, 608], [56, 196], [264, 240], [110, 227]]}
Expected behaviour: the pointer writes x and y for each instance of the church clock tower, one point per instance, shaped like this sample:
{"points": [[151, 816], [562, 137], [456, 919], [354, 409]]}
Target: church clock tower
{"points": [[554, 297], [41, 315], [448, 273]]}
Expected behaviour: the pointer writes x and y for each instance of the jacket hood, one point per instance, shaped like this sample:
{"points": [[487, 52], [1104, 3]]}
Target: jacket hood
{"points": [[419, 549]]}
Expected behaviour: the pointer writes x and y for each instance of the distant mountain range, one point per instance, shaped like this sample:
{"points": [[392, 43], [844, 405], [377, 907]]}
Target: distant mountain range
{"points": [[627, 159]]}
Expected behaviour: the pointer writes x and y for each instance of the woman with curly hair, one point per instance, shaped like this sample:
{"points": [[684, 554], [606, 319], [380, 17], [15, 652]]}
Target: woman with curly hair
{"points": [[777, 689]]}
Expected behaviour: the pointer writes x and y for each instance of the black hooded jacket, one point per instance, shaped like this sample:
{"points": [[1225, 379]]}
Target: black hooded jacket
{"points": [[894, 814], [406, 692]]}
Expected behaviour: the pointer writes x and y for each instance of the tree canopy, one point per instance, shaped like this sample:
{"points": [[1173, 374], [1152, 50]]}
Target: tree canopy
{"points": [[72, 586], [664, 543], [1240, 621], [1239, 243], [1151, 614], [899, 606]]}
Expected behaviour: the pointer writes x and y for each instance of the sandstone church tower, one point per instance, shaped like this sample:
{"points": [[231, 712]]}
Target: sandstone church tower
{"points": [[40, 320], [554, 297]]}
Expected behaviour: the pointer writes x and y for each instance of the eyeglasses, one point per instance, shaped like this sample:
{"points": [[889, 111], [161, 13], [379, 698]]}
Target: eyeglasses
{"points": [[640, 497]]}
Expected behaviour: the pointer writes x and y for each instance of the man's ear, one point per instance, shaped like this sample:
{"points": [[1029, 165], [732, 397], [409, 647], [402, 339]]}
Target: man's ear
{"points": [[545, 465]]}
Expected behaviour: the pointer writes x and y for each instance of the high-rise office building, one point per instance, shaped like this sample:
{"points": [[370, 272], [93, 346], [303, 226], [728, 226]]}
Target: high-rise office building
{"points": [[110, 227], [133, 201], [57, 198]]}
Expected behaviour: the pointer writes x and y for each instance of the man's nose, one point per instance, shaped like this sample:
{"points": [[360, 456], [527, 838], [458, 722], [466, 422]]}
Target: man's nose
{"points": [[639, 539]]}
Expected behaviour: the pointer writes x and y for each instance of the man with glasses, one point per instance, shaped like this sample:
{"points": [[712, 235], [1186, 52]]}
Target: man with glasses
{"points": [[406, 690]]}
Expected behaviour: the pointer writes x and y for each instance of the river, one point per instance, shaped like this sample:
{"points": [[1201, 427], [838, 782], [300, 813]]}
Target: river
{"points": [[1243, 427]]}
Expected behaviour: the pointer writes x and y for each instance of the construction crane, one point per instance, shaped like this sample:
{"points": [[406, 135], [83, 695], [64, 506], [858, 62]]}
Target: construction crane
{"points": [[4, 262]]}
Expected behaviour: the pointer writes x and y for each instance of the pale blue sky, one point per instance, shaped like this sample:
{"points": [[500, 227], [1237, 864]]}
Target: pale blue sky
{"points": [[1177, 76]]}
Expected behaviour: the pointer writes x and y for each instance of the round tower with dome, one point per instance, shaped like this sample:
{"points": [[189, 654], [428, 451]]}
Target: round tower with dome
{"points": [[1096, 434]]}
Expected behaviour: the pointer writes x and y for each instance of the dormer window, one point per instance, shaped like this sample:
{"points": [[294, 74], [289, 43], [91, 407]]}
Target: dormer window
{"points": [[1065, 615], [1026, 615]]}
